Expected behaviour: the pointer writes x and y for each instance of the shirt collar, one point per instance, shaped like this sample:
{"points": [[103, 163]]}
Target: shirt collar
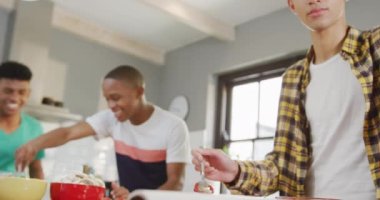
{"points": [[350, 44]]}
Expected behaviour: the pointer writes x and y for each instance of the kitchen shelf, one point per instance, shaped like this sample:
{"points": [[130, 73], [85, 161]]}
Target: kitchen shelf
{"points": [[50, 113]]}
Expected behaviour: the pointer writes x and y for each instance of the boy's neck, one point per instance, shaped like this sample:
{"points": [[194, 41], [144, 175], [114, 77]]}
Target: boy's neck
{"points": [[145, 112], [328, 42], [10, 123]]}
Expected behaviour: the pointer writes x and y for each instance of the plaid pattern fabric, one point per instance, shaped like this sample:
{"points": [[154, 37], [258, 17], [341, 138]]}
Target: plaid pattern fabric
{"points": [[285, 168]]}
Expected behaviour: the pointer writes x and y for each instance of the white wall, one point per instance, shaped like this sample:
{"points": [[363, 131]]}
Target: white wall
{"points": [[55, 78], [25, 36], [30, 41]]}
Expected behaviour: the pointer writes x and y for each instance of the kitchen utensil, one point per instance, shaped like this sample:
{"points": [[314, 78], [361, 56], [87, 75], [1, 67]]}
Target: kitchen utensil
{"points": [[19, 172], [202, 186]]}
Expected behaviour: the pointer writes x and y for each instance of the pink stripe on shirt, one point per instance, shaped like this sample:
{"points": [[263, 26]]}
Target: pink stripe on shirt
{"points": [[140, 154]]}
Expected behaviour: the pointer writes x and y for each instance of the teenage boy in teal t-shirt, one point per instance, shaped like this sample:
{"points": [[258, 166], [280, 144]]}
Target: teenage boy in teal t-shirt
{"points": [[16, 128]]}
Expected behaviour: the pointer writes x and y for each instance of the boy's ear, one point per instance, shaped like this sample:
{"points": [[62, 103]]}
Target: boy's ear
{"points": [[291, 5], [140, 91]]}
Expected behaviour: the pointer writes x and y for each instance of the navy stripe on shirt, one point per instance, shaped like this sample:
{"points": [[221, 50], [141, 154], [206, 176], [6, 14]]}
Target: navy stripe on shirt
{"points": [[135, 174]]}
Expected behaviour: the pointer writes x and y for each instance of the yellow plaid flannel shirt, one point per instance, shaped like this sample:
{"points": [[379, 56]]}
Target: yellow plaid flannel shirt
{"points": [[285, 168]]}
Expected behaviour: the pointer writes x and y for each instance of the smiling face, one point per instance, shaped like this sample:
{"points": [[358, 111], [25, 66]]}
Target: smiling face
{"points": [[13, 96], [318, 15], [123, 99]]}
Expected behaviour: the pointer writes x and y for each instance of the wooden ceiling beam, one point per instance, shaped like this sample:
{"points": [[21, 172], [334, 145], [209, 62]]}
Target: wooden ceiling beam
{"points": [[74, 24], [68, 22], [195, 18]]}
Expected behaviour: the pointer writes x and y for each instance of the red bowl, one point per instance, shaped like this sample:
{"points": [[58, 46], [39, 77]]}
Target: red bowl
{"points": [[65, 191]]}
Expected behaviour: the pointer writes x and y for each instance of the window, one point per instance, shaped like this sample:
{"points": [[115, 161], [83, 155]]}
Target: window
{"points": [[247, 108]]}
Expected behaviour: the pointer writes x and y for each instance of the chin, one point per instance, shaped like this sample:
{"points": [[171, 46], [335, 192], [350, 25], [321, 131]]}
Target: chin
{"points": [[321, 25], [121, 119], [11, 113], [317, 28]]}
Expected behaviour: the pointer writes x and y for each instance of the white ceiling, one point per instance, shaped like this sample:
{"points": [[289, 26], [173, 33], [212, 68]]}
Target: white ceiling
{"points": [[150, 28], [150, 25]]}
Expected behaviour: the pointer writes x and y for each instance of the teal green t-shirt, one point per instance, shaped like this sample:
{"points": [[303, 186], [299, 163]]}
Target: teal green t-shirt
{"points": [[29, 129]]}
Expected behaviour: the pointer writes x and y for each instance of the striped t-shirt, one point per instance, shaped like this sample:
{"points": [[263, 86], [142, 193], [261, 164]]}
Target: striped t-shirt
{"points": [[142, 151]]}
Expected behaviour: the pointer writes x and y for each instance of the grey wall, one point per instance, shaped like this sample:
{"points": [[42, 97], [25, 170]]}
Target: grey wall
{"points": [[87, 62], [190, 70], [4, 28]]}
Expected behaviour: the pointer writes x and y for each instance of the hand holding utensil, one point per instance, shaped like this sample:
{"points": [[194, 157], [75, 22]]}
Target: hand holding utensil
{"points": [[202, 186]]}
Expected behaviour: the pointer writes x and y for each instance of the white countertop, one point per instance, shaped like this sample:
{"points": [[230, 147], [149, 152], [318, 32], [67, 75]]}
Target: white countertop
{"points": [[170, 195]]}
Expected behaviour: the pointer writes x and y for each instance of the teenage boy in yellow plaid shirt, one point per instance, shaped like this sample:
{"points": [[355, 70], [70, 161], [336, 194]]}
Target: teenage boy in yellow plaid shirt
{"points": [[327, 141]]}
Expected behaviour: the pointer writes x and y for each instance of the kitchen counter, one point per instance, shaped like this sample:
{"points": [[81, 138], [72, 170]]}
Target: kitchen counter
{"points": [[169, 195]]}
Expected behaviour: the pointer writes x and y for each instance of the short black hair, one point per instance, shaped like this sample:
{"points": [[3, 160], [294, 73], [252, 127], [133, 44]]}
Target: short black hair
{"points": [[15, 70], [127, 73]]}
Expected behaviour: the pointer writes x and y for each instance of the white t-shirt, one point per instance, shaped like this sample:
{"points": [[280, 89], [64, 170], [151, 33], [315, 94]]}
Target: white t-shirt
{"points": [[335, 108], [142, 151]]}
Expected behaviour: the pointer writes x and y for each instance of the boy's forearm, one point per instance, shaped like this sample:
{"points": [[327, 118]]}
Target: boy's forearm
{"points": [[171, 185], [53, 138]]}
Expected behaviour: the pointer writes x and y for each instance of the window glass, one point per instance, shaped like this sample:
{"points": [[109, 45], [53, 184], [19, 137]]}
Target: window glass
{"points": [[262, 148], [241, 150], [269, 98], [244, 111]]}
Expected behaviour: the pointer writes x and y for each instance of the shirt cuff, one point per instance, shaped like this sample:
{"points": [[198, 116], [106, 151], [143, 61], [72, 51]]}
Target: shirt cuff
{"points": [[239, 179]]}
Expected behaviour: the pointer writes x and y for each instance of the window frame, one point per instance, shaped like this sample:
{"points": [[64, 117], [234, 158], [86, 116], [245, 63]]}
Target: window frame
{"points": [[252, 73]]}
